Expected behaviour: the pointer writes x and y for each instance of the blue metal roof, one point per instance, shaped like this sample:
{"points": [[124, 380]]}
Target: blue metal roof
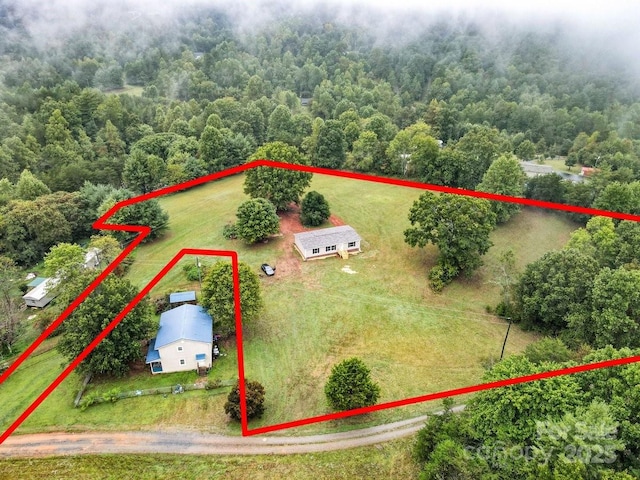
{"points": [[186, 322], [36, 281], [179, 297], [153, 355]]}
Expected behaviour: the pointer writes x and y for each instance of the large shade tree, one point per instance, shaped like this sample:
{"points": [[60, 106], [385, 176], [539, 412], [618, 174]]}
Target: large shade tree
{"points": [[281, 186], [114, 354], [459, 226], [554, 287]]}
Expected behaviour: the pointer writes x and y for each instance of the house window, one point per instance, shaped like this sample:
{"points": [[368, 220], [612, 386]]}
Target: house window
{"points": [[352, 244], [179, 349], [327, 249], [333, 248], [182, 361], [315, 250]]}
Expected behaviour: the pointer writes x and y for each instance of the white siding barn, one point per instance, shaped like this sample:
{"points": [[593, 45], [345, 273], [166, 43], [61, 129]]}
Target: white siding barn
{"points": [[327, 242], [41, 295], [184, 341]]}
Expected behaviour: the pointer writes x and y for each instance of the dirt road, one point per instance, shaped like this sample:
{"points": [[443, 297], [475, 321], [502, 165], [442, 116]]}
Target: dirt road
{"points": [[50, 444]]}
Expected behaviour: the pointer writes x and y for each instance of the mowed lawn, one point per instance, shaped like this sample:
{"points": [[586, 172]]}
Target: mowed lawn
{"points": [[316, 314]]}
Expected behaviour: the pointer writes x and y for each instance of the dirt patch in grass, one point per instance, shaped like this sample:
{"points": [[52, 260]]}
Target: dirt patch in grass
{"points": [[336, 221], [289, 260]]}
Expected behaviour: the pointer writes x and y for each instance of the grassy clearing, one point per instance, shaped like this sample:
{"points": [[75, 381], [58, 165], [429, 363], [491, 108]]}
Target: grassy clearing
{"points": [[389, 460], [134, 90], [558, 164], [415, 342], [201, 407]]}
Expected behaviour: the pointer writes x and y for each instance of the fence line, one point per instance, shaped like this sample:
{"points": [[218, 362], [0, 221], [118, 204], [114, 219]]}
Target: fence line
{"points": [[114, 395]]}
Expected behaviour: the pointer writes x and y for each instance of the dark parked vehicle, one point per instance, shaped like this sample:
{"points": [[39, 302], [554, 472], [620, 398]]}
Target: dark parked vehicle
{"points": [[268, 271]]}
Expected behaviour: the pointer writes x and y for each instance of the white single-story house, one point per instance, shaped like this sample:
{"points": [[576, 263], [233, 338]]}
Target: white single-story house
{"points": [[327, 242], [41, 294], [178, 298], [91, 258], [184, 341]]}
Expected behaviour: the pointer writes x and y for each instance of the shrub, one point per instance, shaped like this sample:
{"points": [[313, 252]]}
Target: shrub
{"points": [[350, 386], [229, 231], [255, 400], [160, 303], [112, 395], [90, 399], [314, 210], [212, 384]]}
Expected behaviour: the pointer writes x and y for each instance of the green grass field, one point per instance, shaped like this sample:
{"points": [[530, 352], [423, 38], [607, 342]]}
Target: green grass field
{"points": [[415, 342], [389, 460]]}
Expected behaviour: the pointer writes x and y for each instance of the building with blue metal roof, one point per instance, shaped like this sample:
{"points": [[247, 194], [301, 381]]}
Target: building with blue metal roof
{"points": [[182, 297], [184, 341]]}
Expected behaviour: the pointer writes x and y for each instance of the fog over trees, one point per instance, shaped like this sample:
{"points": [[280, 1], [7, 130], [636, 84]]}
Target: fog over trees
{"points": [[104, 100]]}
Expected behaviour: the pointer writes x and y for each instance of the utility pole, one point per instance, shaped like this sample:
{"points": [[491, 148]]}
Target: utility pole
{"points": [[504, 344], [199, 277]]}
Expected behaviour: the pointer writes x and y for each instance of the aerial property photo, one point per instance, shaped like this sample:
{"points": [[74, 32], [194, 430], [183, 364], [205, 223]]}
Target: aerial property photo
{"points": [[319, 241]]}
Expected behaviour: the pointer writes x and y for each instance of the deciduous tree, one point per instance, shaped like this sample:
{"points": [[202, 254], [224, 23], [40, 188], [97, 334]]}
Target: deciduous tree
{"points": [[506, 177], [281, 186], [314, 210], [114, 354], [218, 296], [254, 393], [350, 386], [64, 261], [148, 213], [554, 287], [330, 148], [257, 219], [29, 187], [10, 325], [459, 226]]}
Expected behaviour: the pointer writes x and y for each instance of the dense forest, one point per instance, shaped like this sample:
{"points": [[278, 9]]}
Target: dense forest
{"points": [[103, 110]]}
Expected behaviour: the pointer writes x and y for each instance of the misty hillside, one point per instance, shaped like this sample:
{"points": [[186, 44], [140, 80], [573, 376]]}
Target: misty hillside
{"points": [[88, 85]]}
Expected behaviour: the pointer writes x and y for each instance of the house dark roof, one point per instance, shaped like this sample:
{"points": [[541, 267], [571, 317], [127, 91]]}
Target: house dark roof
{"points": [[327, 236], [186, 322], [180, 297]]}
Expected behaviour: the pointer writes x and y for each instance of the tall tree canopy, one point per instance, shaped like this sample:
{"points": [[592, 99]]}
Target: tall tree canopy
{"points": [[506, 177], [459, 226], [218, 296], [281, 186], [114, 354]]}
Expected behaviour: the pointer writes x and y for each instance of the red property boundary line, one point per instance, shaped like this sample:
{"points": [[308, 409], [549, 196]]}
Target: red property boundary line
{"points": [[143, 231]]}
